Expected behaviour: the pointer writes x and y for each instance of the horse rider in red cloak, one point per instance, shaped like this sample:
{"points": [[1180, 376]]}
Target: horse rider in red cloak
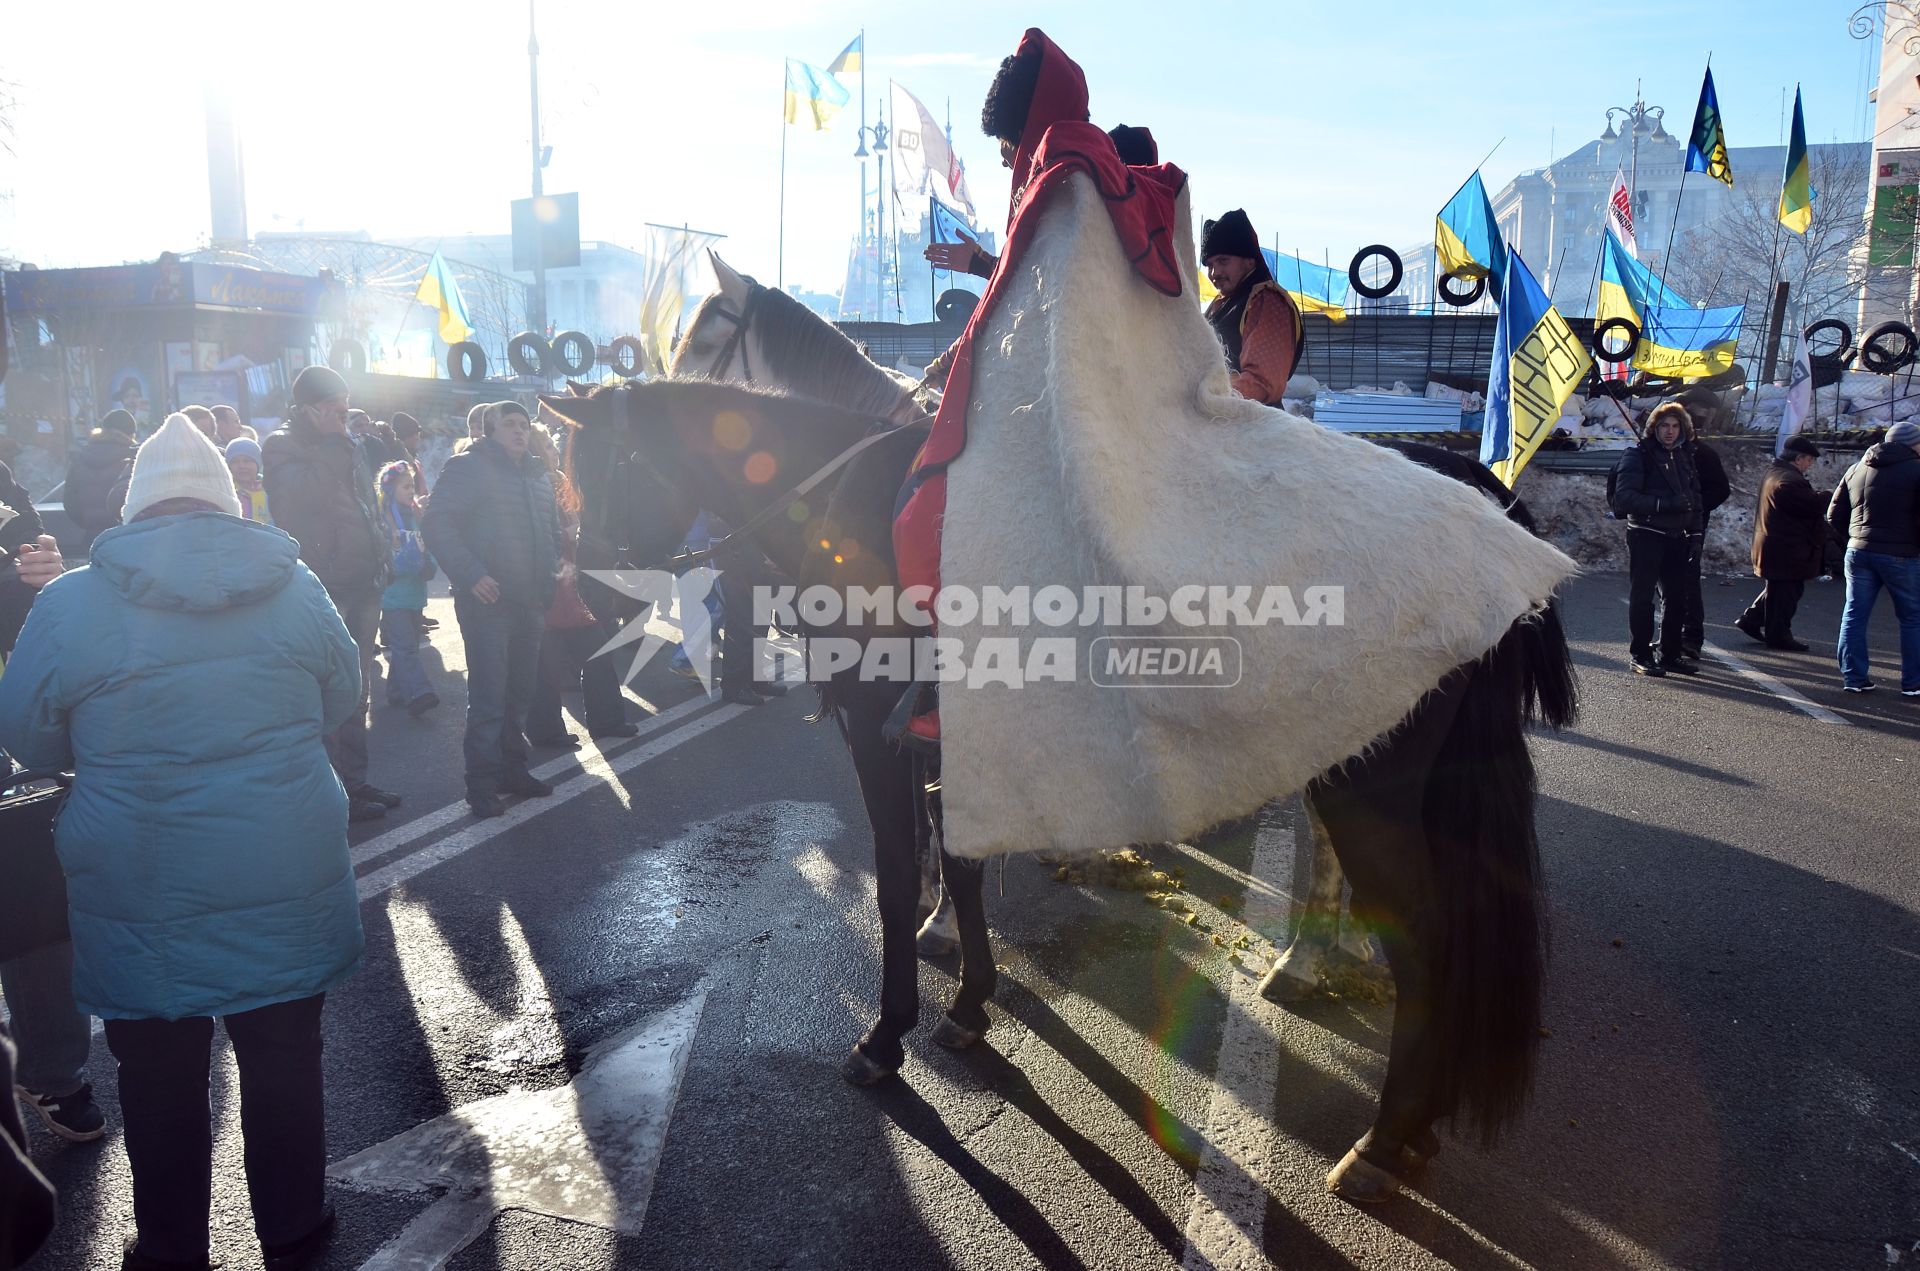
{"points": [[1037, 109]]}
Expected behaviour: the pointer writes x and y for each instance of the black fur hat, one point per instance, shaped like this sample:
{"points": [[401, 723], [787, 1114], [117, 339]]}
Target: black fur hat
{"points": [[1136, 146], [1231, 235]]}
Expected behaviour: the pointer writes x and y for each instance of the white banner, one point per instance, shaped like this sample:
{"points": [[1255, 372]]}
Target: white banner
{"points": [[923, 162], [1620, 213], [677, 271]]}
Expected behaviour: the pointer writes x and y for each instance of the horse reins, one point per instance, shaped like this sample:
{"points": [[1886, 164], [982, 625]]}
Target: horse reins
{"points": [[628, 457]]}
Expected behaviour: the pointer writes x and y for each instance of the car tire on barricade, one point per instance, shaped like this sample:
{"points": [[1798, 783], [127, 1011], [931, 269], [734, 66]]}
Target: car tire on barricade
{"points": [[1460, 299], [528, 354], [1889, 348], [1614, 357], [1396, 271], [572, 353], [466, 362], [955, 305], [625, 357]]}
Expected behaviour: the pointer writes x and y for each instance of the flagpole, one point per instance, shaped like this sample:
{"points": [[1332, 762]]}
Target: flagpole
{"points": [[860, 139], [781, 269]]}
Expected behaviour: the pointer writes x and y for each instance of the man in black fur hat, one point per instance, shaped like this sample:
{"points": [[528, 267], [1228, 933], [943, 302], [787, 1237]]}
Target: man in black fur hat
{"points": [[1256, 320]]}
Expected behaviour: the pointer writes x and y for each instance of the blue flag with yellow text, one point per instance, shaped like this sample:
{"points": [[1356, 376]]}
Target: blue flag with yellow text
{"points": [[1537, 363], [1467, 239]]}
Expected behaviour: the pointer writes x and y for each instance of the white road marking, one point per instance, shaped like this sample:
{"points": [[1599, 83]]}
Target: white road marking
{"points": [[598, 772], [1785, 693], [1226, 1221], [583, 1152], [1789, 695], [421, 826]]}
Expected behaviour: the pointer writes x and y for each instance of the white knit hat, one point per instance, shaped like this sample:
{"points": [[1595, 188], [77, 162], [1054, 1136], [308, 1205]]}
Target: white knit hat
{"points": [[178, 462]]}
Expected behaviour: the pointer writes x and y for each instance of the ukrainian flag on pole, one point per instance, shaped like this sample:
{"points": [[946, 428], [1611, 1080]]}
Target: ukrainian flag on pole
{"points": [[1466, 239], [850, 57], [1537, 363], [812, 94], [1676, 339], [437, 290], [1707, 144], [1796, 189]]}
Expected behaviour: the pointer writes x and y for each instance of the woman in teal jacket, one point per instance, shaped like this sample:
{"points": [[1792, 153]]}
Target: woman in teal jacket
{"points": [[186, 677]]}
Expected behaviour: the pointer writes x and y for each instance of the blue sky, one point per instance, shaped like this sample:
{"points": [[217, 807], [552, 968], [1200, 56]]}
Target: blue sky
{"points": [[1334, 125]]}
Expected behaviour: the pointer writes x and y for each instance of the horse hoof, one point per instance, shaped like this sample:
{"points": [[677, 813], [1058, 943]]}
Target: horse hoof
{"points": [[954, 1036], [932, 944], [1360, 1181], [862, 1071], [1281, 985]]}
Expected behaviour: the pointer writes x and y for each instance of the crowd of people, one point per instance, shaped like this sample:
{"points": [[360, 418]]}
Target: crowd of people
{"points": [[1666, 489], [204, 832]]}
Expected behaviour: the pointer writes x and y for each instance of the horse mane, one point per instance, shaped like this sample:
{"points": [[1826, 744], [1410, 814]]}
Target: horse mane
{"points": [[814, 359]]}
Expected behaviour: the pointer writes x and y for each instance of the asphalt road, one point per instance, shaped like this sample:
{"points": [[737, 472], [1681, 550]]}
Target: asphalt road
{"points": [[1732, 1078]]}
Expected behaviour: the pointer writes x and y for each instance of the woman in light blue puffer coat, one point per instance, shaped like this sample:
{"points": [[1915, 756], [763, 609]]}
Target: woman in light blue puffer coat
{"points": [[186, 677]]}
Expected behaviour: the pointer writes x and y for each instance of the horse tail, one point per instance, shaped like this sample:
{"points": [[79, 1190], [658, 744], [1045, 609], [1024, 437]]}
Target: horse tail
{"points": [[1478, 813]]}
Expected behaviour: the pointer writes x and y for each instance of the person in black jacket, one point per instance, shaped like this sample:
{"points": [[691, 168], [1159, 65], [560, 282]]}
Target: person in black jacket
{"points": [[1657, 492], [493, 526], [1789, 546], [94, 472], [1714, 489], [1877, 510]]}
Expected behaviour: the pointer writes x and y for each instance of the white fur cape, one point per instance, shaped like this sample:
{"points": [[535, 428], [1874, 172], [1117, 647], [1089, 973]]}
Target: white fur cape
{"points": [[1106, 448]]}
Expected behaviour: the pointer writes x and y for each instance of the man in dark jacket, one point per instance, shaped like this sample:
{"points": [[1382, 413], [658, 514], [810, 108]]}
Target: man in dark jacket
{"points": [[321, 494], [1789, 546], [493, 528], [1877, 510], [1657, 492], [94, 472]]}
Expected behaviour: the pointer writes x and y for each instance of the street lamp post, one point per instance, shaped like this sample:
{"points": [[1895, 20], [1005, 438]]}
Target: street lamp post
{"points": [[879, 131]]}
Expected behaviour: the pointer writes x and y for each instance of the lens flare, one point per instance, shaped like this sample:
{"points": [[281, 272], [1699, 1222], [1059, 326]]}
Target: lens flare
{"points": [[760, 467], [731, 430]]}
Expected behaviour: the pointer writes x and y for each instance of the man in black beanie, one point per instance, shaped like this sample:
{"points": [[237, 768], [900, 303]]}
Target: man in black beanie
{"points": [[321, 493], [1257, 322]]}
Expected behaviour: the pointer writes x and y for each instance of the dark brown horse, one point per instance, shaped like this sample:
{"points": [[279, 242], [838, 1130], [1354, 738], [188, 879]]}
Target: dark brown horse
{"points": [[1434, 825]]}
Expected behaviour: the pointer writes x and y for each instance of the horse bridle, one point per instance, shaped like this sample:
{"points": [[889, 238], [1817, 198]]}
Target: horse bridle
{"points": [[737, 342]]}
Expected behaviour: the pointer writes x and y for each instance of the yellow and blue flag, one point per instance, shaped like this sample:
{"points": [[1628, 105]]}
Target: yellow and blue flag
{"points": [[1796, 188], [1466, 238], [438, 290], [812, 94], [1707, 145], [1676, 339], [1537, 363], [850, 56], [1314, 288]]}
